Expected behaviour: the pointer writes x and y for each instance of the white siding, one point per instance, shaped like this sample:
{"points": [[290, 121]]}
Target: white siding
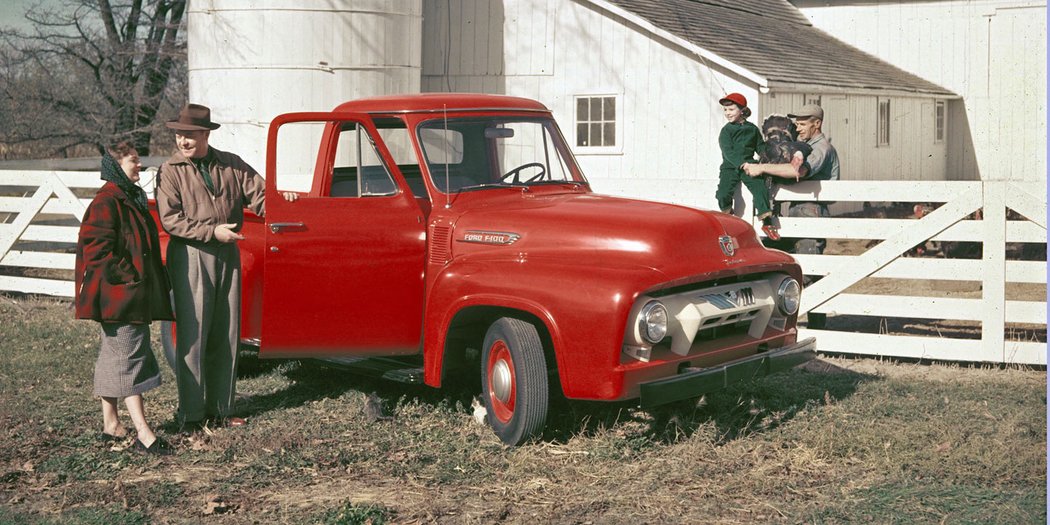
{"points": [[992, 52], [250, 60], [555, 50], [850, 121]]}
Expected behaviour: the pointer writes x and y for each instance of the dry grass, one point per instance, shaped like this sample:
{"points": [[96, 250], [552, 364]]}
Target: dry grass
{"points": [[839, 441]]}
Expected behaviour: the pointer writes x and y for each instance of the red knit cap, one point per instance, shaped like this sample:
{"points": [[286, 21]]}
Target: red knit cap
{"points": [[735, 98]]}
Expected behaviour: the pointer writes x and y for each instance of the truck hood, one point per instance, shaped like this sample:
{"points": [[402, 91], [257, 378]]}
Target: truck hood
{"points": [[598, 230]]}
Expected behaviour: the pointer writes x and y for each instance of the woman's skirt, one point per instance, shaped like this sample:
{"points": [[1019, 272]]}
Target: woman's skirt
{"points": [[126, 365]]}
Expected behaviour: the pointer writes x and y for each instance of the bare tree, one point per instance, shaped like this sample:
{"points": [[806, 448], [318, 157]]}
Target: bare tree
{"points": [[89, 72]]}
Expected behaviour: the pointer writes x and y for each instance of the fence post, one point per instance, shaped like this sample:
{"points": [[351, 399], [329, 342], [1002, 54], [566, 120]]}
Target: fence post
{"points": [[993, 289]]}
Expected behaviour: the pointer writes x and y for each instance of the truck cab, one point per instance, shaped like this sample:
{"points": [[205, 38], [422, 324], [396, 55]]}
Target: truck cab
{"points": [[456, 231]]}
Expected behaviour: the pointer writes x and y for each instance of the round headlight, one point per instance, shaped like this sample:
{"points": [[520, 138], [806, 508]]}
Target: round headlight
{"points": [[652, 322], [788, 296]]}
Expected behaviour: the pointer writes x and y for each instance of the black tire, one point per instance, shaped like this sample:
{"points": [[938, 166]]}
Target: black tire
{"points": [[514, 381]]}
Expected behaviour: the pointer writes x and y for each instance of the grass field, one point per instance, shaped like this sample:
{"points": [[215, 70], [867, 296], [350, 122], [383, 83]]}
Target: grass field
{"points": [[840, 441]]}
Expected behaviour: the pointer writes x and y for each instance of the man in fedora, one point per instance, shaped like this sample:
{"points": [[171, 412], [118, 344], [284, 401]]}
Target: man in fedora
{"points": [[201, 196], [822, 163]]}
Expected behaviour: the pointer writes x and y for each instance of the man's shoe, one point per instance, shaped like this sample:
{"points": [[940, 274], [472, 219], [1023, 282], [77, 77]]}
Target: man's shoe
{"points": [[220, 422], [189, 427], [159, 447]]}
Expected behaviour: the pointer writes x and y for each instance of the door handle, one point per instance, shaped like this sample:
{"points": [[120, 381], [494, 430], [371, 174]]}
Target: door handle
{"points": [[278, 227]]}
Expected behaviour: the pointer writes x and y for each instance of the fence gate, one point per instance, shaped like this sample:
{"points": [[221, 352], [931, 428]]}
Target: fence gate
{"points": [[40, 214]]}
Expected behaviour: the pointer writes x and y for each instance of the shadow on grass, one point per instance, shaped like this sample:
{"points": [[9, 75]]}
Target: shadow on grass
{"points": [[313, 380], [739, 410]]}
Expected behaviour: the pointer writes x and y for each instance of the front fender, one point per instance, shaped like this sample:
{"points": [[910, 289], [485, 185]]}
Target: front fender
{"points": [[583, 307]]}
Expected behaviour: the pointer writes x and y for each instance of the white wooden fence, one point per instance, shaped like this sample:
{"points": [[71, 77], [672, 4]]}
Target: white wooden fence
{"points": [[40, 209], [45, 212]]}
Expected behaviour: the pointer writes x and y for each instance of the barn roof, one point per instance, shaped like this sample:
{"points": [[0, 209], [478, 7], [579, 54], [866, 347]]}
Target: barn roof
{"points": [[773, 40]]}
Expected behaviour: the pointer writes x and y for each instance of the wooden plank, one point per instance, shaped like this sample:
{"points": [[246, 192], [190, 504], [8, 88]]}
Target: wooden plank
{"points": [[1025, 353], [54, 206], [888, 250], [66, 234], [1031, 206], [875, 191], [71, 179], [904, 306], [927, 268], [908, 346], [23, 178], [38, 286], [83, 179], [1031, 312], [11, 232], [850, 228], [993, 288], [58, 261], [67, 197]]}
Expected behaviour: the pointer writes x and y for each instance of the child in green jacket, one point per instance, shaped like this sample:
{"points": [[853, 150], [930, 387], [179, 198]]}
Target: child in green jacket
{"points": [[739, 140]]}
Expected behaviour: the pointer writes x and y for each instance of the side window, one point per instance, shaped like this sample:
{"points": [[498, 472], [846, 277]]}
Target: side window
{"points": [[395, 135], [359, 170]]}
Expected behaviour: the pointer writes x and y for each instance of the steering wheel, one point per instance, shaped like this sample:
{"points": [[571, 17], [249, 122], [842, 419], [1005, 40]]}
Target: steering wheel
{"points": [[517, 171]]}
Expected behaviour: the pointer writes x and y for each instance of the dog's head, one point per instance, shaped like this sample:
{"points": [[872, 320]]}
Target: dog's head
{"points": [[778, 128]]}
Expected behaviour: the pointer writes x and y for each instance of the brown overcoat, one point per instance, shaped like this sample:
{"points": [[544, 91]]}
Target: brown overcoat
{"points": [[119, 274]]}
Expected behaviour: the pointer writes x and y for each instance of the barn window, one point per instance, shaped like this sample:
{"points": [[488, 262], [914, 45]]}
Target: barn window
{"points": [[940, 119], [883, 129], [813, 99], [596, 121]]}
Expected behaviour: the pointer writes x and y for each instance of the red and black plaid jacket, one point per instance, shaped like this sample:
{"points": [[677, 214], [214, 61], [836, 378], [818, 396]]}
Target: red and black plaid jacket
{"points": [[119, 274]]}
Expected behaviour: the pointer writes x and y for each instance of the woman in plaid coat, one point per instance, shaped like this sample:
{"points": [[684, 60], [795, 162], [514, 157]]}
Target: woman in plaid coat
{"points": [[121, 283]]}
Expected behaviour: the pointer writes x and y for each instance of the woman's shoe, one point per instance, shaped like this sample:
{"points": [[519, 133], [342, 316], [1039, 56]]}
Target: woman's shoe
{"points": [[110, 438], [159, 447]]}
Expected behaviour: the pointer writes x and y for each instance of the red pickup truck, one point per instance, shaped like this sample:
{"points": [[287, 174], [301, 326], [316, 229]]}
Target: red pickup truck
{"points": [[446, 232]]}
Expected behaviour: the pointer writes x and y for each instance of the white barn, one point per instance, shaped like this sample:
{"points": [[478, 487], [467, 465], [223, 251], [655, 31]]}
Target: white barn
{"points": [[991, 52], [662, 65]]}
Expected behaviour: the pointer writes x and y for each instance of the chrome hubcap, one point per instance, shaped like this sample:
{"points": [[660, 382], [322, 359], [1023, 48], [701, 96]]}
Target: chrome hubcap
{"points": [[501, 380]]}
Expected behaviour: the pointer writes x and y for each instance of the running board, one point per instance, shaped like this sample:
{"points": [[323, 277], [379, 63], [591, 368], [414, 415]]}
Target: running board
{"points": [[385, 368]]}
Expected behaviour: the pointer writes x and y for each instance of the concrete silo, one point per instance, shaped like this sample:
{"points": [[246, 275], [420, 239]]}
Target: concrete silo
{"points": [[250, 60]]}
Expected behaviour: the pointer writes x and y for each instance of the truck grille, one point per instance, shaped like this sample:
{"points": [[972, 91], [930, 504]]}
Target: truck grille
{"points": [[731, 299]]}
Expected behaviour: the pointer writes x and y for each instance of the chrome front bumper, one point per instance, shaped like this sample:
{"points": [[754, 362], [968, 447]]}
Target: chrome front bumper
{"points": [[693, 382]]}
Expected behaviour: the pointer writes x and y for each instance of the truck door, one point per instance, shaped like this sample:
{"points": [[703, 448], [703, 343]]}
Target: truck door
{"points": [[343, 265]]}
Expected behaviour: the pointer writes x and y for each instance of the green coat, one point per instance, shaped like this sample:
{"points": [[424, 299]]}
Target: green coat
{"points": [[738, 142]]}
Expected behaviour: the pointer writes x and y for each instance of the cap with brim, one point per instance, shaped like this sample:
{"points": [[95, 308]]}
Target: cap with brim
{"points": [[808, 111], [193, 117]]}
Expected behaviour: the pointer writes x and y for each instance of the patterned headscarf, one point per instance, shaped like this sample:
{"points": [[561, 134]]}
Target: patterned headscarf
{"points": [[112, 172]]}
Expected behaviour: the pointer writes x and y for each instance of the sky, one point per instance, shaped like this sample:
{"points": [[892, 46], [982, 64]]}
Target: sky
{"points": [[12, 11]]}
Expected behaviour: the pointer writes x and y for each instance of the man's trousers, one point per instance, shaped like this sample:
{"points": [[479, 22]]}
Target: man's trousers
{"points": [[206, 284]]}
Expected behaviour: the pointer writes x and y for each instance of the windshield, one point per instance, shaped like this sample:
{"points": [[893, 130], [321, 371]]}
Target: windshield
{"points": [[485, 152]]}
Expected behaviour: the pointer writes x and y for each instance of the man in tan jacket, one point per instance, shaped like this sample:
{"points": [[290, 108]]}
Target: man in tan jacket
{"points": [[201, 196]]}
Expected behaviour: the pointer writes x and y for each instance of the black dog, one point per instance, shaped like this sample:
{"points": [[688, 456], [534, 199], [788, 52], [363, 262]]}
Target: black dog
{"points": [[782, 144]]}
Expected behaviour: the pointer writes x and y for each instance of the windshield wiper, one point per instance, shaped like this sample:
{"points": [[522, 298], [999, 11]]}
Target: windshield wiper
{"points": [[485, 186]]}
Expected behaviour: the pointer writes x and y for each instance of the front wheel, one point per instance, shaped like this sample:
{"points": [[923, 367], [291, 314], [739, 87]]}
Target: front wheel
{"points": [[514, 380]]}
